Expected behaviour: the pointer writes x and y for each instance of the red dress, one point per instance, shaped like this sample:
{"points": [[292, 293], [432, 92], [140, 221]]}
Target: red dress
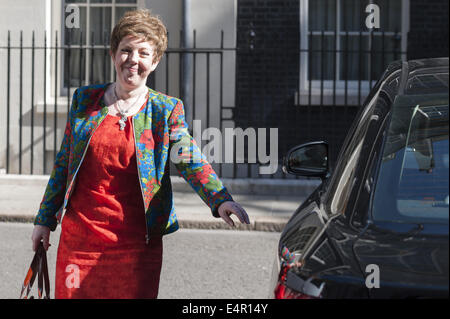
{"points": [[102, 251]]}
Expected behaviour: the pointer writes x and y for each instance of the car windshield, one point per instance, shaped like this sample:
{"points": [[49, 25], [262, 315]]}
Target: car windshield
{"points": [[412, 184]]}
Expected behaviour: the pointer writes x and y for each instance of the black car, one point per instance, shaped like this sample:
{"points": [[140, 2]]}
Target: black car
{"points": [[377, 226]]}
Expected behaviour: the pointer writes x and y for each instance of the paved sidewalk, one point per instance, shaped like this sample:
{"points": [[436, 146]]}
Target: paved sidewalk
{"points": [[269, 203]]}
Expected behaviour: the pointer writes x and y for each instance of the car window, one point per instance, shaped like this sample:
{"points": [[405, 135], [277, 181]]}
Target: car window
{"points": [[412, 184], [359, 144]]}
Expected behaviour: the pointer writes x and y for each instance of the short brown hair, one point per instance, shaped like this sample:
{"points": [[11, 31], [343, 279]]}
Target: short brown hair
{"points": [[142, 24]]}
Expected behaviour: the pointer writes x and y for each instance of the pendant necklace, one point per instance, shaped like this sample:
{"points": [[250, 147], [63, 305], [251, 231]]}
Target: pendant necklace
{"points": [[123, 114]]}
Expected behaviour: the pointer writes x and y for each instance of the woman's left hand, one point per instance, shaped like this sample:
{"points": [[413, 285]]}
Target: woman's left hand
{"points": [[228, 208]]}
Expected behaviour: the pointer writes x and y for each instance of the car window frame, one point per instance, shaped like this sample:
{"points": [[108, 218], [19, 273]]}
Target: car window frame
{"points": [[361, 211], [362, 121], [358, 217]]}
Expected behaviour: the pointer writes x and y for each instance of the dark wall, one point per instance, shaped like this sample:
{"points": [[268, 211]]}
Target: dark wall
{"points": [[267, 65], [268, 39], [268, 73], [267, 78], [428, 36]]}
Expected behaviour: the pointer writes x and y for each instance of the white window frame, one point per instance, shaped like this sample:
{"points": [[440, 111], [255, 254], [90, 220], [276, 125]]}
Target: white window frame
{"points": [[351, 94], [55, 15], [58, 102], [88, 5]]}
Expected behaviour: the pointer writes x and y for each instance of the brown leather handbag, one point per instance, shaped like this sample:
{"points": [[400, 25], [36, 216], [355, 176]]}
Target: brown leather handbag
{"points": [[38, 267]]}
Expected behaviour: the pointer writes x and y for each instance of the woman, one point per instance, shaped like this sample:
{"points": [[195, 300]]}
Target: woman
{"points": [[112, 177]]}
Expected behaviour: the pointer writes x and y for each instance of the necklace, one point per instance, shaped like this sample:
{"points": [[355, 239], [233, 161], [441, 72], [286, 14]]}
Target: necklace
{"points": [[123, 113]]}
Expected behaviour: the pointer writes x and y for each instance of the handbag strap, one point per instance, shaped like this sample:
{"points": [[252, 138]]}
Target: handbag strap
{"points": [[46, 279], [44, 273], [38, 267], [29, 278]]}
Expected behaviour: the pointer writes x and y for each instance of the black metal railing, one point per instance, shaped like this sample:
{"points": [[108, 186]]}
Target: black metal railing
{"points": [[41, 77], [333, 74], [48, 91], [356, 64]]}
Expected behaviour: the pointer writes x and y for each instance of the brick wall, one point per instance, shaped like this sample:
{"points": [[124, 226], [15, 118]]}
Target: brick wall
{"points": [[268, 70], [428, 36], [267, 78]]}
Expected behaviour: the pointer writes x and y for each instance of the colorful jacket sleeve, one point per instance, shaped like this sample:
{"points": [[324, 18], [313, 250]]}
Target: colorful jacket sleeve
{"points": [[192, 164], [53, 199]]}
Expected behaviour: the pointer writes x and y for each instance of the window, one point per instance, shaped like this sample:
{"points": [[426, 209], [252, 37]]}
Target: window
{"points": [[412, 184], [341, 59], [88, 60]]}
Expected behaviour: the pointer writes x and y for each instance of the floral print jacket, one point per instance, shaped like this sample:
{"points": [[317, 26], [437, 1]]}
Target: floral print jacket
{"points": [[158, 127]]}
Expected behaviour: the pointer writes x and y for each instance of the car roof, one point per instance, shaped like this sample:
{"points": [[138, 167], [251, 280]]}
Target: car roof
{"points": [[414, 65], [417, 65], [429, 76], [423, 76]]}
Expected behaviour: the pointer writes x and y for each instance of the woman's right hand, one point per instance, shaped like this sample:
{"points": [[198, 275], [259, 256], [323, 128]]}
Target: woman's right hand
{"points": [[40, 232]]}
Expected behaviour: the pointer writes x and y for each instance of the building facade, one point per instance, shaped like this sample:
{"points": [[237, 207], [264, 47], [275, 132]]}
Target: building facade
{"points": [[306, 66], [301, 66]]}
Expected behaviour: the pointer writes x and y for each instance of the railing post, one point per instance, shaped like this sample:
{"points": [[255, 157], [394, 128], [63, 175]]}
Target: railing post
{"points": [[44, 146], [360, 66], [32, 105], [68, 80], [186, 65], [20, 101], [55, 114], [8, 101], [194, 78], [91, 62], [221, 94], [80, 68]]}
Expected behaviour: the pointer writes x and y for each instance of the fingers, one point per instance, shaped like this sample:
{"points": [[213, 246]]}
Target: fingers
{"points": [[35, 240], [227, 219], [240, 213], [35, 244], [46, 241], [245, 215], [236, 209], [40, 233]]}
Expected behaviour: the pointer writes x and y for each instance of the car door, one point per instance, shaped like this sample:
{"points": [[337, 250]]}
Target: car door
{"points": [[347, 185], [411, 256], [317, 240]]}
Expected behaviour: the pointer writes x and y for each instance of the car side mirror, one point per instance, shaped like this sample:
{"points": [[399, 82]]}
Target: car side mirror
{"points": [[310, 159]]}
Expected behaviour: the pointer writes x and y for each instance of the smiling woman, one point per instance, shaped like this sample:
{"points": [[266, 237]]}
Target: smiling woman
{"points": [[133, 61], [112, 175], [136, 49]]}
